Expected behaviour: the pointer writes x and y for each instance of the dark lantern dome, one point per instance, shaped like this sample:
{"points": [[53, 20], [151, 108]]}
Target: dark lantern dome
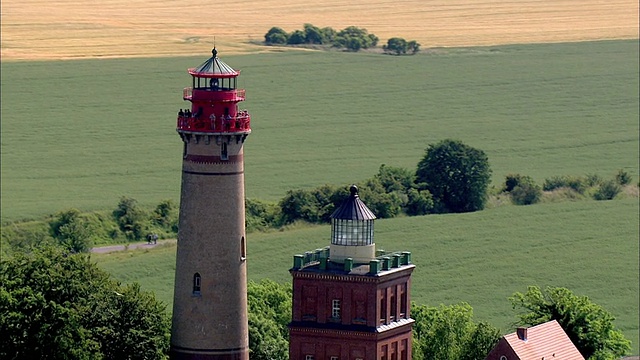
{"points": [[214, 68], [353, 208]]}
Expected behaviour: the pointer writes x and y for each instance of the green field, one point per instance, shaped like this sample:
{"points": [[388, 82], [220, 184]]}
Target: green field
{"points": [[83, 133], [589, 247]]}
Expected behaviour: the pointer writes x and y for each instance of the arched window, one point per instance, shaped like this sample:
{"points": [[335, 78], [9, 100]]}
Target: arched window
{"points": [[243, 249], [197, 281]]}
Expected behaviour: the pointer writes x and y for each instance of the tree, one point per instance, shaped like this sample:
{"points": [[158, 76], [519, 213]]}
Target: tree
{"points": [[269, 317], [297, 37], [354, 38], [71, 231], [413, 46], [276, 35], [55, 305], [131, 219], [313, 34], [449, 333], [456, 174], [396, 45], [588, 325]]}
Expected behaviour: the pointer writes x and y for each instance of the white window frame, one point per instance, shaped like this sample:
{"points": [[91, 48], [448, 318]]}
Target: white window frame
{"points": [[335, 308]]}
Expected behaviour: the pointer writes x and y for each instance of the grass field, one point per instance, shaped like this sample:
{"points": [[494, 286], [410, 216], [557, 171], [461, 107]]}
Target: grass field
{"points": [[69, 29], [83, 133], [482, 258]]}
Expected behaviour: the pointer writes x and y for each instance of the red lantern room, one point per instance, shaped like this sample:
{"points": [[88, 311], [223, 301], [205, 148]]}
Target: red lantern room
{"points": [[214, 100]]}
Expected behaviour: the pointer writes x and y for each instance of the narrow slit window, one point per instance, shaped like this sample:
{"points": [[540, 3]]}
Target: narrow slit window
{"points": [[197, 284], [243, 249], [224, 155]]}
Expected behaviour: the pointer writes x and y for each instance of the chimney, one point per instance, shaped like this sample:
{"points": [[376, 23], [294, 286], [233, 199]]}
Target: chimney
{"points": [[522, 333]]}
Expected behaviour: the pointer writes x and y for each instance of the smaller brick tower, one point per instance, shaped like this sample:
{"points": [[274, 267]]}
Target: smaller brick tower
{"points": [[351, 302]]}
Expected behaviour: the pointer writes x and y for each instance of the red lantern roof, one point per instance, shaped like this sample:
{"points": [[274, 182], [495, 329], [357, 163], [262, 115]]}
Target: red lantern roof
{"points": [[214, 68]]}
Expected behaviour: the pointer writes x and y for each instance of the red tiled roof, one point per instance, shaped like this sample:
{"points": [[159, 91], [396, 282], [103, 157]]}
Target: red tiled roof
{"points": [[545, 341]]}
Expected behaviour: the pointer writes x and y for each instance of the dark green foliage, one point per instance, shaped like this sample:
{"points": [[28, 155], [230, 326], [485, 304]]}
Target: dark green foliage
{"points": [[354, 38], [72, 231], [166, 215], [522, 189], [55, 305], [298, 204], [396, 46], [419, 202], [314, 35], [400, 46], [449, 333], [131, 219], [588, 325], [395, 178], [456, 174], [269, 315], [276, 35], [383, 204], [296, 38], [575, 183], [623, 177], [261, 215], [607, 190]]}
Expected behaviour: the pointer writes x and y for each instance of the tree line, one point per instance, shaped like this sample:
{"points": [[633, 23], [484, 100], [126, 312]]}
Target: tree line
{"points": [[452, 177], [59, 305], [351, 38]]}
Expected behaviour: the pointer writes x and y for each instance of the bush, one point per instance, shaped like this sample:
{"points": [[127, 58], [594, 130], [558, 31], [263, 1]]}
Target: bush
{"points": [[526, 194], [607, 190], [132, 220], [419, 202], [623, 177], [572, 182], [593, 180], [522, 189]]}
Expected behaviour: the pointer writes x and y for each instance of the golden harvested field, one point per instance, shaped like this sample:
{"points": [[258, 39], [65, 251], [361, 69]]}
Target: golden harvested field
{"points": [[67, 29]]}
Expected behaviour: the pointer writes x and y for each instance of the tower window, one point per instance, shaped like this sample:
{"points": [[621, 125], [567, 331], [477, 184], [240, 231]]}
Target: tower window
{"points": [[308, 357], [224, 155], [243, 249], [335, 309], [196, 284]]}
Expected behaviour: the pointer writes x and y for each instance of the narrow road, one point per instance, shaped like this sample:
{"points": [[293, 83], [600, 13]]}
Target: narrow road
{"points": [[131, 246]]}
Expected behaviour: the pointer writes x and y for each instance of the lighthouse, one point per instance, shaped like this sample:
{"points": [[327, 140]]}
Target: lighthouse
{"points": [[210, 295], [351, 300]]}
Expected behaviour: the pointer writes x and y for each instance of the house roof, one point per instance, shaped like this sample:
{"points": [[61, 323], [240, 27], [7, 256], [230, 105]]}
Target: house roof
{"points": [[545, 341]]}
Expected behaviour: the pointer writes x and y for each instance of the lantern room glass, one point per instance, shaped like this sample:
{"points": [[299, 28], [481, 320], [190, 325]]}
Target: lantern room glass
{"points": [[351, 232]]}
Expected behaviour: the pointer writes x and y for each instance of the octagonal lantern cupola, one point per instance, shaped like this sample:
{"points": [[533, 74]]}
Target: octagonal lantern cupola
{"points": [[352, 231]]}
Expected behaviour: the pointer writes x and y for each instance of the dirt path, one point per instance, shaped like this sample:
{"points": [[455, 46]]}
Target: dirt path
{"points": [[132, 246]]}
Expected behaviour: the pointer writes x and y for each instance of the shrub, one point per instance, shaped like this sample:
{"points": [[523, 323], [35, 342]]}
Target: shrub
{"points": [[526, 194], [607, 190], [623, 177], [419, 202], [573, 182], [131, 220], [593, 180]]}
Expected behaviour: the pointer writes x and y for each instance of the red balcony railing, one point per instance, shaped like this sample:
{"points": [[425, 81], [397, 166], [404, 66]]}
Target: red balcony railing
{"points": [[240, 123], [206, 94]]}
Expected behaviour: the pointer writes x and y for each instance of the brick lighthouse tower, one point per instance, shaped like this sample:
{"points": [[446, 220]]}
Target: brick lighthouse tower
{"points": [[351, 301], [210, 295]]}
